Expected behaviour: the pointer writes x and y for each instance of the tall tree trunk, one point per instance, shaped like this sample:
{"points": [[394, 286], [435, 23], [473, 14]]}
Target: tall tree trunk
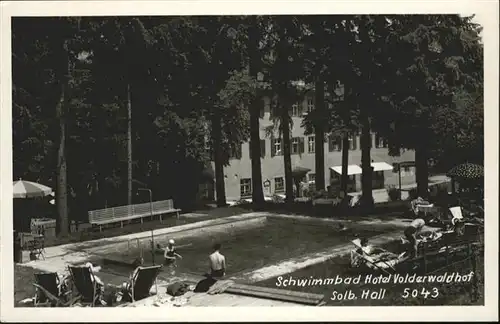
{"points": [[62, 186], [257, 192], [129, 146], [319, 135], [287, 158], [366, 177], [345, 112], [422, 171], [345, 163], [220, 187]]}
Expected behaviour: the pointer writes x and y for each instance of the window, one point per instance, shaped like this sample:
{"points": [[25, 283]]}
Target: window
{"points": [[297, 145], [236, 152], [380, 142], [245, 187], [334, 143], [312, 177], [310, 104], [276, 146], [352, 142], [311, 145], [279, 184], [296, 109], [262, 149]]}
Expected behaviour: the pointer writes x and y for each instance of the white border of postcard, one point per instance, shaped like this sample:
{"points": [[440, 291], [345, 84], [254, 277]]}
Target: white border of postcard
{"points": [[486, 14]]}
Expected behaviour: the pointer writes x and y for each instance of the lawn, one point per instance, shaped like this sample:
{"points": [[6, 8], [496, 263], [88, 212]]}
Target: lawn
{"points": [[23, 279]]}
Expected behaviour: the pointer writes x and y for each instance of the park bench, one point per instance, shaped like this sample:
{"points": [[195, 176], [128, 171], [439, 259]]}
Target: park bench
{"points": [[121, 214]]}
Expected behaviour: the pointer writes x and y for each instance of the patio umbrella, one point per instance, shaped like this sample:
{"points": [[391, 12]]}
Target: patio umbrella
{"points": [[299, 171], [466, 171], [28, 189]]}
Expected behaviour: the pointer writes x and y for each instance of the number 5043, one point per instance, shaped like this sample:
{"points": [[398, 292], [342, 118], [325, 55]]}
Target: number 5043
{"points": [[424, 292]]}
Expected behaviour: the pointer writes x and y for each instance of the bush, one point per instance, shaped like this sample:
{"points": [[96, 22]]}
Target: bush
{"points": [[393, 193]]}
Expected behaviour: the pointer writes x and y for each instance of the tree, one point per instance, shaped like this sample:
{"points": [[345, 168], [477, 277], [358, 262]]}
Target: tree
{"points": [[55, 55], [285, 67], [255, 64], [439, 54], [368, 60]]}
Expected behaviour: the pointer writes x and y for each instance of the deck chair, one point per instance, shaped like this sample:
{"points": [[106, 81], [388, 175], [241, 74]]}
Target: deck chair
{"points": [[85, 284], [47, 286], [143, 280], [358, 257], [458, 220], [48, 291]]}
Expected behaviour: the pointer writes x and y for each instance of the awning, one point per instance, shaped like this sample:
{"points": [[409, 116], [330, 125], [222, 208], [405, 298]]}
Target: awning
{"points": [[352, 169], [381, 166]]}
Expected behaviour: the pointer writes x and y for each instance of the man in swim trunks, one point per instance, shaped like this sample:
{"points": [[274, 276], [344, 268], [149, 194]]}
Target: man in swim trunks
{"points": [[171, 255], [411, 233], [217, 263]]}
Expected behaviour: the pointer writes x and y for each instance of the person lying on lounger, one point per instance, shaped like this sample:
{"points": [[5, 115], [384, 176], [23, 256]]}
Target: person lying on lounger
{"points": [[376, 256], [375, 252]]}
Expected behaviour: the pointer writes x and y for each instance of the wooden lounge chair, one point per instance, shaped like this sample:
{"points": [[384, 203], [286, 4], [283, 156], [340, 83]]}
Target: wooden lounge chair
{"points": [[48, 291], [359, 258], [45, 282], [144, 278], [85, 284]]}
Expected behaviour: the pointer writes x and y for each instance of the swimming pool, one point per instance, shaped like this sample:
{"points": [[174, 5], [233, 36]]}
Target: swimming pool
{"points": [[248, 244]]}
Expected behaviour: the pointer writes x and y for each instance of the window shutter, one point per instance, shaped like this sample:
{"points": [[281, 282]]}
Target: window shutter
{"points": [[355, 141], [272, 147], [262, 148], [250, 150], [330, 142], [301, 145]]}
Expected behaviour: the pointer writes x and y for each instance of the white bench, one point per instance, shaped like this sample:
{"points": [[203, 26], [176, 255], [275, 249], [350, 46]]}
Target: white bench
{"points": [[120, 214]]}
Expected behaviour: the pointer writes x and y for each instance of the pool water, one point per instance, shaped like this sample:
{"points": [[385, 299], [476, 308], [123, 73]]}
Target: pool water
{"points": [[248, 248]]}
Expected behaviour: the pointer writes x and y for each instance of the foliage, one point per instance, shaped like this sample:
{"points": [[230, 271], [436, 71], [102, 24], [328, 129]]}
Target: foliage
{"points": [[414, 79]]}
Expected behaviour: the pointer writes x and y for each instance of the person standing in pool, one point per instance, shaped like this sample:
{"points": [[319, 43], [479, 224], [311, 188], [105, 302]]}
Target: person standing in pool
{"points": [[411, 233], [217, 263], [171, 255]]}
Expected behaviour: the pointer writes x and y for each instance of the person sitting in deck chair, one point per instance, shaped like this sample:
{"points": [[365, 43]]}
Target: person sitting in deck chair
{"points": [[94, 270], [411, 233], [217, 263]]}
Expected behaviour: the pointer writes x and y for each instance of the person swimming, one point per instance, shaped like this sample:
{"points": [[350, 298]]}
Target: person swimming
{"points": [[217, 262], [170, 254]]}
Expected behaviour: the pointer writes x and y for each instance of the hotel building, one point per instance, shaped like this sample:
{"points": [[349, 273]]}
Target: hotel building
{"points": [[238, 173]]}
